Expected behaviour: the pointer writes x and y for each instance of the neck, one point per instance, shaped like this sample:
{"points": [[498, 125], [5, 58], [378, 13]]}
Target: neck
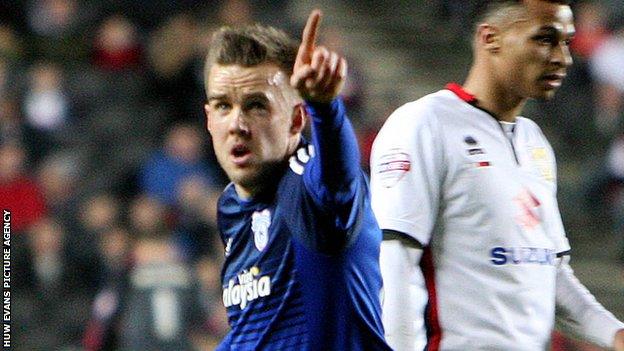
{"points": [[243, 192], [493, 96], [264, 184], [269, 177]]}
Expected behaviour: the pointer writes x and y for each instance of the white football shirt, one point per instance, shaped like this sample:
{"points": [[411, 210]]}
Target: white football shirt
{"points": [[481, 197]]}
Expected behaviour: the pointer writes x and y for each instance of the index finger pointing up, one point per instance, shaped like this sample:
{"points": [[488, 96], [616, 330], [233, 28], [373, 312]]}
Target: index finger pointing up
{"points": [[308, 40]]}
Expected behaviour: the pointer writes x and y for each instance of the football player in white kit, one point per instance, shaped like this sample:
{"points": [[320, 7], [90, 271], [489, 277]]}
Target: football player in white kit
{"points": [[465, 191]]}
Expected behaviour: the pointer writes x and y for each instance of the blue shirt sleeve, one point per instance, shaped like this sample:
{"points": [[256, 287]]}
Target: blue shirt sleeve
{"points": [[334, 177]]}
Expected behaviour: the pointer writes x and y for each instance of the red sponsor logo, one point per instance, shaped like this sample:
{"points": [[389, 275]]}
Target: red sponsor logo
{"points": [[394, 166]]}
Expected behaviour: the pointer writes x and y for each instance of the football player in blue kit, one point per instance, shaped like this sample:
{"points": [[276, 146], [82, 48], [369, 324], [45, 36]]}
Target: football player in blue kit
{"points": [[301, 269]]}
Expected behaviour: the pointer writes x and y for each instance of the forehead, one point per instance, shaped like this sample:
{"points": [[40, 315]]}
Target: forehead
{"points": [[544, 14], [224, 79]]}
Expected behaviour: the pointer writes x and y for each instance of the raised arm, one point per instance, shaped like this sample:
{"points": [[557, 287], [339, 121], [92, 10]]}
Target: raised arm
{"points": [[319, 75]]}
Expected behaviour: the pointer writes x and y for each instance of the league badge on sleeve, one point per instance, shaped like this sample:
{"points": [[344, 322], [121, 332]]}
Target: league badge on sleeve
{"points": [[260, 222], [392, 166]]}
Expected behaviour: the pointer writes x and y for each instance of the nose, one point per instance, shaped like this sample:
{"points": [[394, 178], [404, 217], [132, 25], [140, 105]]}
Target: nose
{"points": [[562, 56], [238, 124]]}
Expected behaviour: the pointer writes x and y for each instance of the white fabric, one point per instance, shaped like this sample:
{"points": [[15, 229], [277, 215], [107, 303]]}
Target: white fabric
{"points": [[445, 173], [402, 310], [580, 313]]}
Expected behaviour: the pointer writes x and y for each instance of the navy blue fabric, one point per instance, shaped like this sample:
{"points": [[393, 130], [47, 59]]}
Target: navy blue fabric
{"points": [[321, 253]]}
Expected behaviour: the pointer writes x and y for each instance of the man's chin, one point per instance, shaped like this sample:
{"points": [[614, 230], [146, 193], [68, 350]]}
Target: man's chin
{"points": [[544, 95], [240, 176]]}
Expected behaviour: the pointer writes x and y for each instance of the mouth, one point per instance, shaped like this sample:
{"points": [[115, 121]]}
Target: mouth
{"points": [[553, 80], [240, 154]]}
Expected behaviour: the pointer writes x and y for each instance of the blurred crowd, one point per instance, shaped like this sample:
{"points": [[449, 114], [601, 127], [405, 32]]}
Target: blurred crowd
{"points": [[110, 176]]}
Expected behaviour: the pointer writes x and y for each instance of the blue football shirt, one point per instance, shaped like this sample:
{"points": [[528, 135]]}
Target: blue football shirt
{"points": [[302, 260]]}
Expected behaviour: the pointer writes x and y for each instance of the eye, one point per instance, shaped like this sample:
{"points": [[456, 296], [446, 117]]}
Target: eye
{"points": [[567, 42], [221, 106], [545, 40], [256, 106]]}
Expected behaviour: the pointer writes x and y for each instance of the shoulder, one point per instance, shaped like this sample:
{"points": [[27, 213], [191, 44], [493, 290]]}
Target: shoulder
{"points": [[428, 111], [527, 123], [529, 127], [424, 117]]}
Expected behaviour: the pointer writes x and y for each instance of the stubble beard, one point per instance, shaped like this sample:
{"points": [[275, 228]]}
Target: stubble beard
{"points": [[262, 177]]}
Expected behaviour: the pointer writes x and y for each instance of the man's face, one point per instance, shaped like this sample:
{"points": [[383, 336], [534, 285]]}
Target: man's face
{"points": [[534, 50], [251, 115]]}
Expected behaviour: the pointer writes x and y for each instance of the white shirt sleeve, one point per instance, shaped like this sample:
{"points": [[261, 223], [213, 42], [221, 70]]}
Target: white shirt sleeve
{"points": [[407, 172], [579, 312], [402, 310]]}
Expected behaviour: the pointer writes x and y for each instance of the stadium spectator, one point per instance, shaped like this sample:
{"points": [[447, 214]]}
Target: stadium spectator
{"points": [[208, 270], [175, 65], [52, 18], [96, 214], [156, 301], [196, 225], [355, 85], [46, 105], [46, 108], [114, 246], [181, 156], [58, 176], [117, 46], [19, 192], [148, 215], [12, 130], [11, 51], [591, 28], [606, 64], [51, 305], [235, 13], [55, 26]]}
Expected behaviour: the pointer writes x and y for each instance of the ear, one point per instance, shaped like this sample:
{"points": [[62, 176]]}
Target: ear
{"points": [[207, 110], [489, 38], [298, 118]]}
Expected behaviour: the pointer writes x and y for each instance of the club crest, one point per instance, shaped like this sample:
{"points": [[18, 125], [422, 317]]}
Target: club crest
{"points": [[260, 222], [543, 163]]}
